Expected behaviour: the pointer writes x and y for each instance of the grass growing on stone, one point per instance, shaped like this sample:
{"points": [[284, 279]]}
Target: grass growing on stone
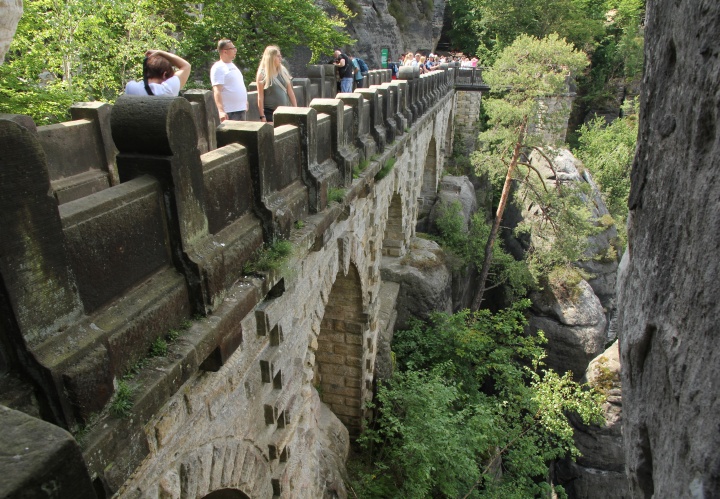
{"points": [[383, 172], [271, 257], [159, 348], [121, 404], [336, 194], [360, 168]]}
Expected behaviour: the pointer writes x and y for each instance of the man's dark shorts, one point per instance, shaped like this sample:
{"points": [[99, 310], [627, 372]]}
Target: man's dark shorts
{"points": [[237, 115]]}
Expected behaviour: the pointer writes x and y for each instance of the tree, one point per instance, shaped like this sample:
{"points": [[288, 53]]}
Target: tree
{"points": [[74, 50], [607, 150], [468, 394], [526, 74], [253, 25], [486, 27]]}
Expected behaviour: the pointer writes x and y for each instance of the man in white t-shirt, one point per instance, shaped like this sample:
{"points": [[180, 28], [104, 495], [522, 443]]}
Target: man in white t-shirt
{"points": [[159, 77], [228, 85]]}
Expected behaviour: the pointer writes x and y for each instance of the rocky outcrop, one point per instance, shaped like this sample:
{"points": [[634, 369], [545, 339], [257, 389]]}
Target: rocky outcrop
{"points": [[669, 288], [425, 281], [333, 447], [416, 26], [574, 324], [599, 473], [11, 12]]}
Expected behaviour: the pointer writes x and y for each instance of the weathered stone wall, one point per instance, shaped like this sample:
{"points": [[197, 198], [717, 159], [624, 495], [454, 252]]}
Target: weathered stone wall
{"points": [[669, 287], [467, 119], [232, 404]]}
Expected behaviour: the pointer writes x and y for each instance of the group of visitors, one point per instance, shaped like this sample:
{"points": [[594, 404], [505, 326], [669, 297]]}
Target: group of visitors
{"points": [[274, 83], [352, 71]]}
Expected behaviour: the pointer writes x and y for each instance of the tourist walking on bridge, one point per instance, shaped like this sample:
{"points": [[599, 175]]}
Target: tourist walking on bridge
{"points": [[274, 84], [228, 84], [342, 62]]}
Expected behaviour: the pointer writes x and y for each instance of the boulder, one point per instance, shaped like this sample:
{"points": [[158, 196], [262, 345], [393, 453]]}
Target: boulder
{"points": [[574, 324], [599, 473], [425, 281], [333, 447]]}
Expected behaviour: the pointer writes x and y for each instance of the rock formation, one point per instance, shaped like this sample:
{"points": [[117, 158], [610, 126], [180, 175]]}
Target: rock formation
{"points": [[417, 27], [669, 286], [599, 472], [11, 12]]}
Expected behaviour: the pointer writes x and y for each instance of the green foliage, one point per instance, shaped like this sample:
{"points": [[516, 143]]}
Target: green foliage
{"points": [[336, 194], [253, 25], [299, 224], [271, 257], [608, 151], [487, 27], [383, 172], [159, 348], [397, 10], [75, 50], [81, 50], [121, 404], [466, 246], [469, 392]]}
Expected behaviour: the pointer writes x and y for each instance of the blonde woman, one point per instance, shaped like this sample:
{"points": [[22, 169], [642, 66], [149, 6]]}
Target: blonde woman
{"points": [[409, 58], [274, 84]]}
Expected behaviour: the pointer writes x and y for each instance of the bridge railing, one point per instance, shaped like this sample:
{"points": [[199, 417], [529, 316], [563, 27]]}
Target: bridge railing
{"points": [[177, 204], [470, 78]]}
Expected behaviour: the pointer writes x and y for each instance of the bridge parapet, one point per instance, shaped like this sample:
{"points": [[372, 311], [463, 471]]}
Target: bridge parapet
{"points": [[92, 284]]}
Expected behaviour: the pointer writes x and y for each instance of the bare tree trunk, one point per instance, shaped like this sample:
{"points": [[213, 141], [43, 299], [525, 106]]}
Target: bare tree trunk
{"points": [[498, 217]]}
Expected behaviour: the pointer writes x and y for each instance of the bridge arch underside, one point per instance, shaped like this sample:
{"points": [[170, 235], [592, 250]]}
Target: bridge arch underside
{"points": [[339, 358]]}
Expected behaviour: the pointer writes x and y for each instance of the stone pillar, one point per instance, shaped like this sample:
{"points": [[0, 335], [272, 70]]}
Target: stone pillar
{"points": [[315, 178], [377, 130], [344, 152], [361, 125], [40, 460], [388, 116], [258, 138], [38, 296], [206, 116], [156, 136], [467, 115], [99, 114]]}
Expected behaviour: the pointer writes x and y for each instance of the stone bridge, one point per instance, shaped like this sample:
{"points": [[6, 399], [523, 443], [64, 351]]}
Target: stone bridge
{"points": [[135, 313]]}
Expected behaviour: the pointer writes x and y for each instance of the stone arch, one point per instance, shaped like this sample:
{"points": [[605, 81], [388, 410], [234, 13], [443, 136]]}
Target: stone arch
{"points": [[449, 136], [428, 190], [229, 465], [340, 355], [394, 237], [226, 494]]}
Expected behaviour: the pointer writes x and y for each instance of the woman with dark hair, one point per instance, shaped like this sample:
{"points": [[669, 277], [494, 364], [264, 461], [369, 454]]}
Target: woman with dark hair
{"points": [[159, 77], [274, 84]]}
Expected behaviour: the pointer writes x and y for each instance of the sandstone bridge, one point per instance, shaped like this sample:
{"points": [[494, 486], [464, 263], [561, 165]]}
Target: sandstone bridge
{"points": [[130, 317]]}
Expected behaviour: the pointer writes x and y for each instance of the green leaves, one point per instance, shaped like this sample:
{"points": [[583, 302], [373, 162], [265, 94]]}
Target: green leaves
{"points": [[469, 398], [80, 50]]}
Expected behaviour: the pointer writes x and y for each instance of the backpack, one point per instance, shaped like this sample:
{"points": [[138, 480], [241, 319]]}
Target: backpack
{"points": [[363, 67]]}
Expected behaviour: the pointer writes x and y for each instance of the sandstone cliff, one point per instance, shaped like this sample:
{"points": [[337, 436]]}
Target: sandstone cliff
{"points": [[399, 25], [668, 297]]}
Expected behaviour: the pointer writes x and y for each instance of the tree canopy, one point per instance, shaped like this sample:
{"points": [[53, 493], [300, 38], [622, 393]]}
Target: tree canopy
{"points": [[73, 50]]}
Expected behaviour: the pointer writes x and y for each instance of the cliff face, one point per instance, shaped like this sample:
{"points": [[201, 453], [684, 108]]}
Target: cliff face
{"points": [[399, 25], [669, 286]]}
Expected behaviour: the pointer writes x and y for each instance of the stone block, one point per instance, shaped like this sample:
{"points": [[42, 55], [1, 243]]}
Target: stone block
{"points": [[39, 459]]}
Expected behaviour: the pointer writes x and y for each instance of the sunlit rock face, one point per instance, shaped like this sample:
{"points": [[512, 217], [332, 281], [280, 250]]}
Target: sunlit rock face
{"points": [[11, 12], [668, 297], [417, 26]]}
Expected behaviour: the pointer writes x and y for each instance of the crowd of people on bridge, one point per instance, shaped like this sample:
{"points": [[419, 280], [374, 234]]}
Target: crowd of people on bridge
{"points": [[166, 74]]}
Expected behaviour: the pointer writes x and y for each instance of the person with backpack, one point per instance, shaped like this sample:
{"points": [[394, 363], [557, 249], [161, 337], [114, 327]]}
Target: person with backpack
{"points": [[360, 71]]}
